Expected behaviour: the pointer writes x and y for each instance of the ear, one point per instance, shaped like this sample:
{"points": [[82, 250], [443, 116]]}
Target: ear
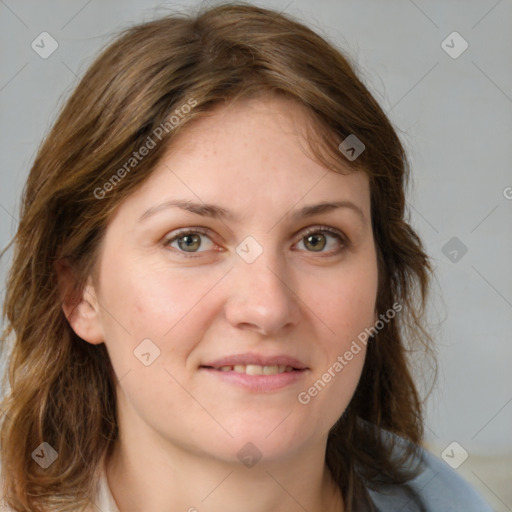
{"points": [[81, 307]]}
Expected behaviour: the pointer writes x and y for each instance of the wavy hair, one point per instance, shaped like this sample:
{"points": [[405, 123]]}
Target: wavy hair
{"points": [[60, 389]]}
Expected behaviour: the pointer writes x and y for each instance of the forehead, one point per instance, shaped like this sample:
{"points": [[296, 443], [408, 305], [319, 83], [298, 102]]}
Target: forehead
{"points": [[270, 119], [249, 155]]}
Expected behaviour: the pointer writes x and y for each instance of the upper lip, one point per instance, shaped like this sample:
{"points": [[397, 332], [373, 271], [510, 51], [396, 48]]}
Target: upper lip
{"points": [[248, 358]]}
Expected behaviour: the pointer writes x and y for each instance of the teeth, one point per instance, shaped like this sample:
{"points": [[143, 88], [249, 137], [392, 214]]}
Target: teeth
{"points": [[253, 369], [272, 370], [256, 369]]}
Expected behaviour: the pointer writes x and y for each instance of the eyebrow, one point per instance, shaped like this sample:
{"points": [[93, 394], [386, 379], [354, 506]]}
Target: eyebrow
{"points": [[217, 212]]}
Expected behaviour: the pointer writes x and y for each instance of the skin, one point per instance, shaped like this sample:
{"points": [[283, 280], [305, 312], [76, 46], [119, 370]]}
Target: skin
{"points": [[181, 427]]}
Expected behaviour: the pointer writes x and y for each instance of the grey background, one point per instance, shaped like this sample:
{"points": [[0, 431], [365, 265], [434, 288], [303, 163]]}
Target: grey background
{"points": [[454, 117]]}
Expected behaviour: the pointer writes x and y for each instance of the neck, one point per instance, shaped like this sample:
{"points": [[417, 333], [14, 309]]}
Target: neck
{"points": [[146, 478]]}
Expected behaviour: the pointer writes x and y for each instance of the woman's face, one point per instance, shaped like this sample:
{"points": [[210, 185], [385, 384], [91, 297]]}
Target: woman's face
{"points": [[193, 302]]}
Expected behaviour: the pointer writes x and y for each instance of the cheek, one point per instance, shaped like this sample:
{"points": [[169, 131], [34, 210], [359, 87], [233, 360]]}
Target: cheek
{"points": [[331, 392], [346, 302], [347, 309], [156, 303]]}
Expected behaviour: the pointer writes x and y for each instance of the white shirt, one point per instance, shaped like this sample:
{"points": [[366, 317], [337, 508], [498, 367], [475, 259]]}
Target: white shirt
{"points": [[437, 488], [104, 500]]}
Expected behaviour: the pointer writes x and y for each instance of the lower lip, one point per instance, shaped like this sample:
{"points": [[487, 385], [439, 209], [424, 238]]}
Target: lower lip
{"points": [[259, 383]]}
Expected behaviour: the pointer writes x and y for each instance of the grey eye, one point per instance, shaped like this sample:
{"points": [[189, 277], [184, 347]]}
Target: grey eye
{"points": [[189, 243], [316, 241]]}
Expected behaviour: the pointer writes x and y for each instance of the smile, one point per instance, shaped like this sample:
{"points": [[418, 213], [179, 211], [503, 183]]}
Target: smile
{"points": [[256, 378], [255, 369]]}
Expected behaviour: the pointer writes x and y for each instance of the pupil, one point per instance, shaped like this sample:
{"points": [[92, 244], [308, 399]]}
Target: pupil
{"points": [[316, 246], [189, 241]]}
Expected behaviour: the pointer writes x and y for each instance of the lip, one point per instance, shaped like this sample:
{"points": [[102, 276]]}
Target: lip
{"points": [[257, 383], [259, 359]]}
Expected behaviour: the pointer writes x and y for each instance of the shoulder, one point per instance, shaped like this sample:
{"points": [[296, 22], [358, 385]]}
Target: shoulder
{"points": [[437, 488], [103, 499], [4, 507]]}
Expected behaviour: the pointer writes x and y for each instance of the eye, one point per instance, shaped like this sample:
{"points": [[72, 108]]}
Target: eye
{"points": [[188, 241], [315, 239]]}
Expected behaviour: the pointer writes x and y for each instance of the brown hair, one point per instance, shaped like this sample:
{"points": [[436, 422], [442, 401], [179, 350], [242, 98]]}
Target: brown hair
{"points": [[61, 387]]}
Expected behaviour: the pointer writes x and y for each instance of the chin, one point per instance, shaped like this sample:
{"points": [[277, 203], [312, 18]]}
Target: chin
{"points": [[271, 444]]}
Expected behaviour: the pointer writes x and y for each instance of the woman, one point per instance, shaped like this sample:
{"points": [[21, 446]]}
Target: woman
{"points": [[214, 286]]}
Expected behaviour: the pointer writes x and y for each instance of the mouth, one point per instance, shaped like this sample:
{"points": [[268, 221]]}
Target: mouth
{"points": [[257, 373], [254, 369]]}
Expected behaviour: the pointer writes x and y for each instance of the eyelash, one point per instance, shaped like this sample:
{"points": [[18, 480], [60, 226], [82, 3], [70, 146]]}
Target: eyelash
{"points": [[312, 230]]}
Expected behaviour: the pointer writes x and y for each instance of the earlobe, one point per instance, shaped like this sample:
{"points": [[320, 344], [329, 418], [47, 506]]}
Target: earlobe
{"points": [[81, 308]]}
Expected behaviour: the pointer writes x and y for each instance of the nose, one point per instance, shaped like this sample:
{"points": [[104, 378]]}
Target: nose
{"points": [[261, 296]]}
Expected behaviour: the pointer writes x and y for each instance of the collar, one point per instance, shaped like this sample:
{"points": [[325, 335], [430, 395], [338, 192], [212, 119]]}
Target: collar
{"points": [[104, 499]]}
